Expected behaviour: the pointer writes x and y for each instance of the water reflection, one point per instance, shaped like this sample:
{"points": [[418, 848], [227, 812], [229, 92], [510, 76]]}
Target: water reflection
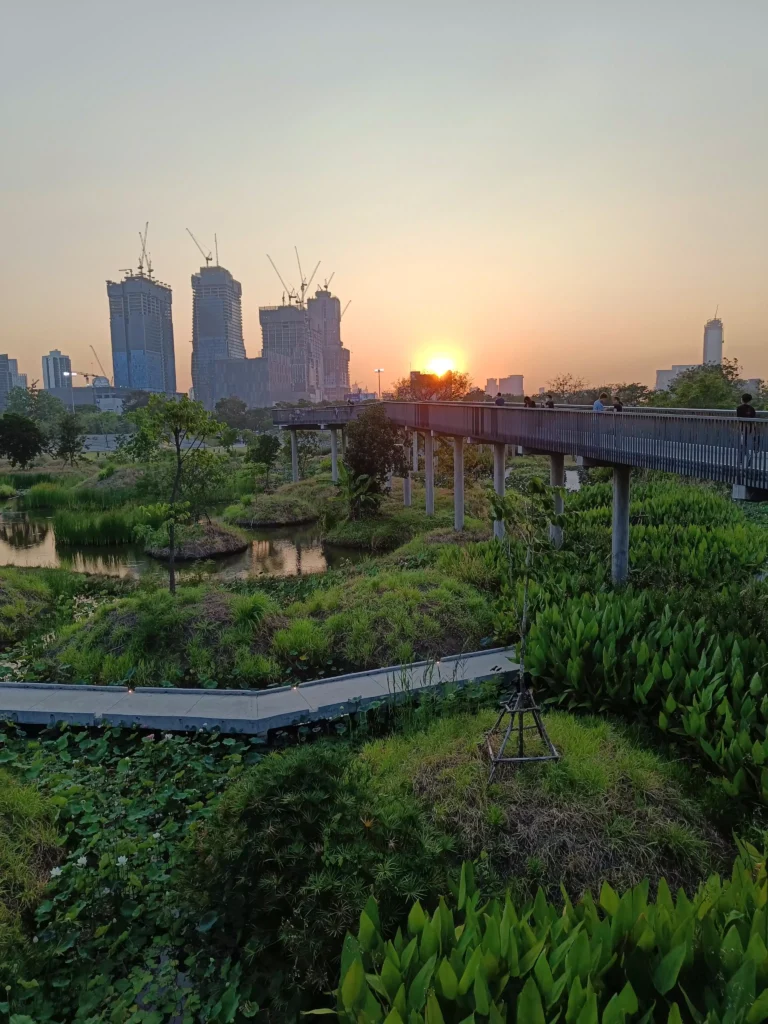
{"points": [[284, 551]]}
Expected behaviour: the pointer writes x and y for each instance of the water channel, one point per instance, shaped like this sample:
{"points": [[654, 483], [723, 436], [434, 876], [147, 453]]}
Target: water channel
{"points": [[280, 551]]}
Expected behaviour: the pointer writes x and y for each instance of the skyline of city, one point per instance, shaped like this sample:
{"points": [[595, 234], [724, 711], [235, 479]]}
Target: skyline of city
{"points": [[564, 192]]}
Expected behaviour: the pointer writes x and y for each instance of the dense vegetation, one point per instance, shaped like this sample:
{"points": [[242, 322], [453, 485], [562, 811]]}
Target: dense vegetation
{"points": [[147, 876]]}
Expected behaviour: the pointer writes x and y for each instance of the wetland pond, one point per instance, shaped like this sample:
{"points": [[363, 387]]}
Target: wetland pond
{"points": [[29, 541]]}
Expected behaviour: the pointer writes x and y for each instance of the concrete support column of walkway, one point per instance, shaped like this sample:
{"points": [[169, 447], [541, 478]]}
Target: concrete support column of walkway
{"points": [[499, 481], [458, 483], [407, 489], [416, 451], [620, 529], [294, 457], [343, 441], [429, 471], [557, 479], [334, 456]]}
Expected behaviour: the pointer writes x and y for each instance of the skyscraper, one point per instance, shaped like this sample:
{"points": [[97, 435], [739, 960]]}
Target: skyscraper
{"points": [[56, 370], [217, 327], [288, 331], [713, 341], [6, 380], [512, 385], [325, 317], [141, 327], [18, 380]]}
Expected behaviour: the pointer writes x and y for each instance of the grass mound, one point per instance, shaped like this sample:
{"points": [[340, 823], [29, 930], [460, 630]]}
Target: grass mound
{"points": [[200, 540], [388, 619], [609, 810], [202, 637], [29, 848], [300, 502]]}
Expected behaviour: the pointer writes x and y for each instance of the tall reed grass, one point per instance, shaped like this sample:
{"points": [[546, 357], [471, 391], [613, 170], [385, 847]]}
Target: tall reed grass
{"points": [[111, 527], [19, 480], [50, 495]]}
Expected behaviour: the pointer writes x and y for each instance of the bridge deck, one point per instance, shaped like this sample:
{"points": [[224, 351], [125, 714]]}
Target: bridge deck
{"points": [[709, 446], [250, 712]]}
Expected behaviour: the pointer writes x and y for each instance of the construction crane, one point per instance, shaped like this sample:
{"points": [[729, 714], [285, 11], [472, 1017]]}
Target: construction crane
{"points": [[98, 363], [207, 258], [345, 309], [290, 292], [143, 256], [327, 282], [304, 282], [216, 247]]}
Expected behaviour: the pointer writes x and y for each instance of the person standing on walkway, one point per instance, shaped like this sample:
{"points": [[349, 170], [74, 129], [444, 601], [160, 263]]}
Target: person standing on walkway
{"points": [[550, 402], [599, 404], [746, 411], [528, 403], [499, 400], [617, 404]]}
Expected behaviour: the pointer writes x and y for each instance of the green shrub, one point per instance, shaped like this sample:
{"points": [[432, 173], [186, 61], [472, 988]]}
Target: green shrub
{"points": [[303, 641], [6, 491], [57, 496], [665, 958], [290, 856], [272, 510]]}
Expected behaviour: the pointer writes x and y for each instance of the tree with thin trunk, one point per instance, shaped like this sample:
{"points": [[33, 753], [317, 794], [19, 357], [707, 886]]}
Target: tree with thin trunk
{"points": [[182, 425]]}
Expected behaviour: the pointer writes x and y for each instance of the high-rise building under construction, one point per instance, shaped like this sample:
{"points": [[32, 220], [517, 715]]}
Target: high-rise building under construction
{"points": [[325, 317], [217, 328]]}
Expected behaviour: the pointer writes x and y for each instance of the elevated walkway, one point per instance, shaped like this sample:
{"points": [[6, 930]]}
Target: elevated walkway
{"points": [[247, 712]]}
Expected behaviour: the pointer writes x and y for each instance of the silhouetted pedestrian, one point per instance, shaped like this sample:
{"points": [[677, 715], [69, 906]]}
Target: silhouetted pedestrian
{"points": [[528, 403], [499, 400], [746, 411], [617, 404], [550, 402]]}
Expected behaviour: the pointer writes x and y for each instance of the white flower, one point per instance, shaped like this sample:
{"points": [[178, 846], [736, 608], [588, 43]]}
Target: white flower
{"points": [[55, 872], [167, 735], [122, 861], [35, 939], [82, 861], [155, 835]]}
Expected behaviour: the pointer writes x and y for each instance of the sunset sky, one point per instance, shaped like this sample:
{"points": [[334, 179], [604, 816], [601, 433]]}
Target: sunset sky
{"points": [[522, 187]]}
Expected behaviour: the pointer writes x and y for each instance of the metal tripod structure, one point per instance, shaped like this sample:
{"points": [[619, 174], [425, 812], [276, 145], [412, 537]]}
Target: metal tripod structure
{"points": [[521, 704]]}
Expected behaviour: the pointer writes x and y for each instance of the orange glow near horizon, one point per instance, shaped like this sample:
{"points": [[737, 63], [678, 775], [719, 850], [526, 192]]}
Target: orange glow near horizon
{"points": [[440, 365]]}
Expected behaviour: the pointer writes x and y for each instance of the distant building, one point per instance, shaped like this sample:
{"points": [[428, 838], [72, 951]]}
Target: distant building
{"points": [[288, 332], [6, 380], [258, 382], [105, 399], [57, 370], [141, 330], [665, 377], [713, 341], [512, 385], [492, 387], [325, 319], [18, 380], [217, 328]]}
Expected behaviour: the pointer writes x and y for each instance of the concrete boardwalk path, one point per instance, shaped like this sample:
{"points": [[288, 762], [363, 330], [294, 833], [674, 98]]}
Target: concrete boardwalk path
{"points": [[251, 712]]}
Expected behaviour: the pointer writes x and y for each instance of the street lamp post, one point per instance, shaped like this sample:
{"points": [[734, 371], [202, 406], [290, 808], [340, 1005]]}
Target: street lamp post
{"points": [[379, 371]]}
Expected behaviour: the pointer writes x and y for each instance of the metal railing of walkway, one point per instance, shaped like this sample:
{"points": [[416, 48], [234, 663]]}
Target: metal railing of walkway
{"points": [[709, 447]]}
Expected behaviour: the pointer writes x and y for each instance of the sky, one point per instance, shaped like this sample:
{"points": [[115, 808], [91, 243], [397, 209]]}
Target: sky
{"points": [[528, 186]]}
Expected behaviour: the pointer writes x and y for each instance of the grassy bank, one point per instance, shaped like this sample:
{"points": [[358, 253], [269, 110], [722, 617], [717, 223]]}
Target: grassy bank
{"points": [[293, 503], [197, 540]]}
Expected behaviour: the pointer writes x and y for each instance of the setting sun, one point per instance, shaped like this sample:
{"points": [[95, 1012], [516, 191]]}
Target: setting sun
{"points": [[440, 365]]}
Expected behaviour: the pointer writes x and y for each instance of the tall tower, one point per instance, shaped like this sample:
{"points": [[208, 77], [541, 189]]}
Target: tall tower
{"points": [[217, 327], [325, 317], [57, 369], [713, 341], [141, 329]]}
